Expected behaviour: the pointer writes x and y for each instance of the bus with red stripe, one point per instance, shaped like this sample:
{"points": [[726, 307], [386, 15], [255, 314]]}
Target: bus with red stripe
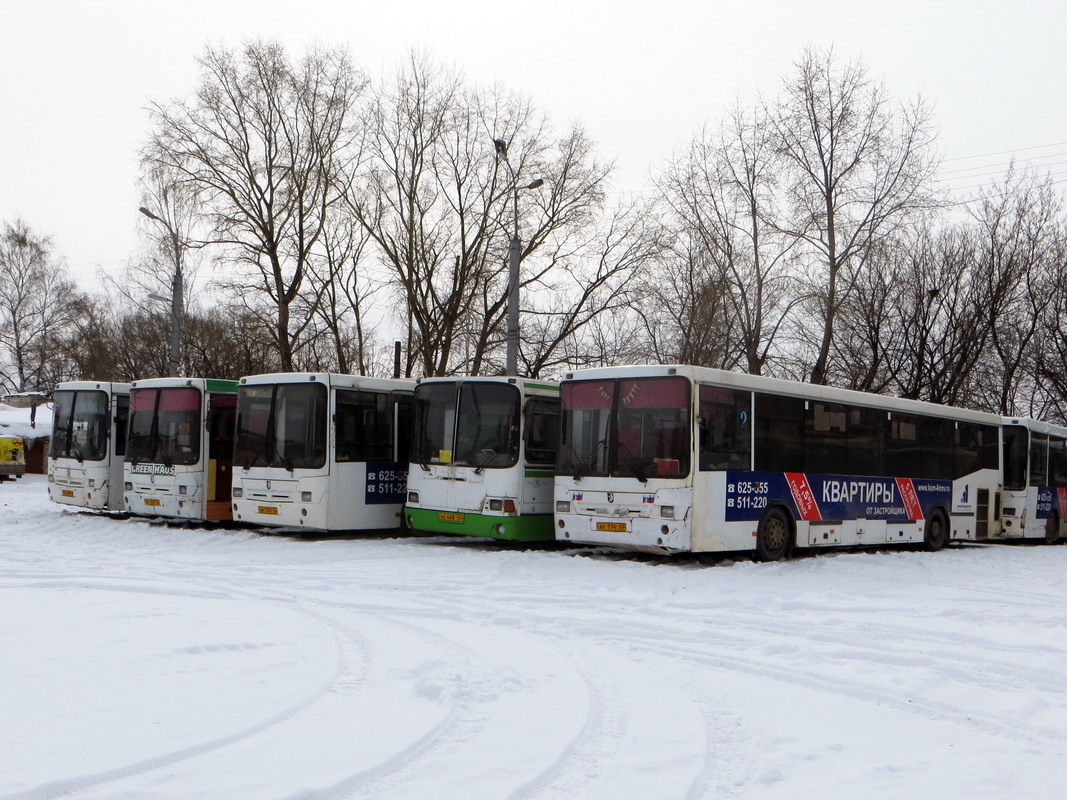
{"points": [[1035, 480], [680, 458]]}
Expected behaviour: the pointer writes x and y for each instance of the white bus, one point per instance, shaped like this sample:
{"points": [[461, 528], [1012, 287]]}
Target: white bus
{"points": [[322, 452], [483, 457], [681, 458], [179, 448], [1035, 480], [88, 444]]}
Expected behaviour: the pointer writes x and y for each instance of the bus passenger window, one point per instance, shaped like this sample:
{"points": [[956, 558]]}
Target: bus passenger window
{"points": [[542, 430], [725, 429]]}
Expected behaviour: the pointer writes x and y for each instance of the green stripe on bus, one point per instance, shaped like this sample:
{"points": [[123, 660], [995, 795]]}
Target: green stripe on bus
{"points": [[539, 473], [528, 528], [547, 386], [216, 385]]}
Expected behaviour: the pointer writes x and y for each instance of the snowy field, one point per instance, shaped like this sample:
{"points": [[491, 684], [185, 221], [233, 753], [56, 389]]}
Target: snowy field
{"points": [[145, 661]]}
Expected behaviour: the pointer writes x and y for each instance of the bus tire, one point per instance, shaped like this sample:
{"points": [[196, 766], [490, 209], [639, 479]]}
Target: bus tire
{"points": [[936, 536], [1052, 528], [774, 535]]}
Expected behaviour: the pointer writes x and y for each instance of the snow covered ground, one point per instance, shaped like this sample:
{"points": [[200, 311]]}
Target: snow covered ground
{"points": [[139, 660]]}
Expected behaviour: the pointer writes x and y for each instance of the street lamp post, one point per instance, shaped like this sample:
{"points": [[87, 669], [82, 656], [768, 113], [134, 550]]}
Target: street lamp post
{"points": [[512, 367], [175, 295]]}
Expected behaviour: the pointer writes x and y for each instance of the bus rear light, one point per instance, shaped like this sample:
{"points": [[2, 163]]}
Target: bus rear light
{"points": [[667, 512], [563, 507], [238, 492], [305, 497], [496, 505], [303, 512], [561, 523], [509, 506], [664, 530]]}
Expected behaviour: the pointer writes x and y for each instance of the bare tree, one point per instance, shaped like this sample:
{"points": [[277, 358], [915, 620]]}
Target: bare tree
{"points": [[37, 303], [264, 142], [727, 285], [439, 204], [1020, 223], [856, 166]]}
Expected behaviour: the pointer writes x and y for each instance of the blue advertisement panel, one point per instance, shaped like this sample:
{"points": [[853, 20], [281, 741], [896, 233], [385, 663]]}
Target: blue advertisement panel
{"points": [[387, 482], [833, 497]]}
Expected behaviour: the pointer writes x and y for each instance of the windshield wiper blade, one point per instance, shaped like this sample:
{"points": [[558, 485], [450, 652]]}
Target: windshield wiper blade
{"points": [[584, 465]]}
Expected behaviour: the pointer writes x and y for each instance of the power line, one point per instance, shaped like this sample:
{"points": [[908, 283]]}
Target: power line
{"points": [[1008, 152], [1004, 164]]}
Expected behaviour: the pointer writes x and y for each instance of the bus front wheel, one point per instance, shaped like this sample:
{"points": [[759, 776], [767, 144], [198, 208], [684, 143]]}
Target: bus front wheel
{"points": [[774, 536], [1052, 528], [936, 532]]}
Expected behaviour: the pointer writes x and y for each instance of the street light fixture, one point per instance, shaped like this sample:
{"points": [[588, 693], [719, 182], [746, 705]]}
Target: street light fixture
{"points": [[175, 295], [512, 367]]}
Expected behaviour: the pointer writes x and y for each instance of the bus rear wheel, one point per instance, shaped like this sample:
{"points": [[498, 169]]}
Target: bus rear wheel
{"points": [[936, 536], [1052, 528], [774, 536]]}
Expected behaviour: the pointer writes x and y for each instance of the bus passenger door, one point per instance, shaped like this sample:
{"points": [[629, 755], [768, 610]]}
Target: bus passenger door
{"points": [[222, 417]]}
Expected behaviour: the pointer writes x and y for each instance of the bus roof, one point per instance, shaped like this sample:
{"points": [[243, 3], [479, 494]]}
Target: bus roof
{"points": [[332, 379], [779, 386], [103, 386], [204, 384]]}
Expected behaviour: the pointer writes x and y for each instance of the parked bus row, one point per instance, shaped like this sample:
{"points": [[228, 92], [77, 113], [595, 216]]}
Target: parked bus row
{"points": [[654, 458]]}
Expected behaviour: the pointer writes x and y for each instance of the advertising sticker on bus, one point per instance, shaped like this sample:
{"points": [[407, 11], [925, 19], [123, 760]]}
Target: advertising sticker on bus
{"points": [[387, 482], [818, 497]]}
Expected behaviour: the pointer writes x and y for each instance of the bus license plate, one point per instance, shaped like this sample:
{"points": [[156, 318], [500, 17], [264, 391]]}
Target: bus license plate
{"points": [[445, 516], [68, 493], [272, 510], [152, 501], [614, 527]]}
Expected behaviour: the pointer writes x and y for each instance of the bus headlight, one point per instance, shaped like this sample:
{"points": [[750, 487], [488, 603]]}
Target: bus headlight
{"points": [[413, 497], [496, 505], [667, 512], [128, 486], [305, 497], [563, 506], [92, 483], [238, 491], [183, 489]]}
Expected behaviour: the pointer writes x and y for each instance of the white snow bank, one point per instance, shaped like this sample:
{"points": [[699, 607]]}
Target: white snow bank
{"points": [[141, 660]]}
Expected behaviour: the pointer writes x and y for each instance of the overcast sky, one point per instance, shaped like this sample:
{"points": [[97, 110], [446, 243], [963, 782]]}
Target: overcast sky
{"points": [[641, 77]]}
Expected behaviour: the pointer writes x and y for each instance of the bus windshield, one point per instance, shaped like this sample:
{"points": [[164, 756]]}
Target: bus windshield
{"points": [[626, 427], [283, 425], [164, 426], [80, 425], [476, 426]]}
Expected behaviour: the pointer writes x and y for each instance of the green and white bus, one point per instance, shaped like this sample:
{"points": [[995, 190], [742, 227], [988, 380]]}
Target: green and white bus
{"points": [[179, 449], [483, 456]]}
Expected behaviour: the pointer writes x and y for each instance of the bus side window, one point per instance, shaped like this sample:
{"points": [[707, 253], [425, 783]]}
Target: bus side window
{"points": [[779, 433], [725, 429], [541, 430], [405, 404], [1057, 462], [1038, 459], [122, 421]]}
